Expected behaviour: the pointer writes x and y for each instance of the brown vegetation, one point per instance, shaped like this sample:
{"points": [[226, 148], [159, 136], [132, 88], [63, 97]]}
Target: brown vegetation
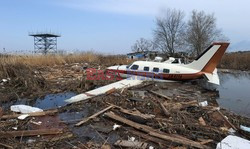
{"points": [[236, 60], [33, 75]]}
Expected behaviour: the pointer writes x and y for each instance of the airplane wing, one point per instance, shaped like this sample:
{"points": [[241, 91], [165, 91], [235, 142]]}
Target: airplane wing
{"points": [[102, 90]]}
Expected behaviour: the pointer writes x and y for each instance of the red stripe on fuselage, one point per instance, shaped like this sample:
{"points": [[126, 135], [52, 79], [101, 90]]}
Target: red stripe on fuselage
{"points": [[164, 76]]}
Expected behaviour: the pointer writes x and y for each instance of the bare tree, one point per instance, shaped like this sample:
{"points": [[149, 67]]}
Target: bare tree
{"points": [[142, 45], [169, 31], [201, 31]]}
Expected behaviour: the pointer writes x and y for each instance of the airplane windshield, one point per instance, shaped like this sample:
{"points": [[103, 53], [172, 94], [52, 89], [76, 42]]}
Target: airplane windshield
{"points": [[128, 66]]}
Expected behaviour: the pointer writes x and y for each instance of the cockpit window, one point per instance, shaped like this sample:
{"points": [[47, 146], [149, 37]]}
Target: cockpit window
{"points": [[155, 69], [128, 66], [134, 67]]}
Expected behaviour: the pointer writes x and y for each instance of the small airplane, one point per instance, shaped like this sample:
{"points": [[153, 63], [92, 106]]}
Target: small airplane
{"points": [[204, 66]]}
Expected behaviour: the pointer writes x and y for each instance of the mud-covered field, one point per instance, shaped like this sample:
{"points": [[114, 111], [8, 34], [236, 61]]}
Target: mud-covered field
{"points": [[159, 115]]}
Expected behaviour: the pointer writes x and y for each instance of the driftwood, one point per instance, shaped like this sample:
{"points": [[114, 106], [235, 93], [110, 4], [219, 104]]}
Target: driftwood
{"points": [[136, 113], [159, 94], [166, 112], [48, 112], [152, 132], [8, 134], [133, 112], [131, 144], [227, 121], [93, 116]]}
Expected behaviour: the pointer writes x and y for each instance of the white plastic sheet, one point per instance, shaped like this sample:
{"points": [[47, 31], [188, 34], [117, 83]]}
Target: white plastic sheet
{"points": [[233, 142], [24, 109]]}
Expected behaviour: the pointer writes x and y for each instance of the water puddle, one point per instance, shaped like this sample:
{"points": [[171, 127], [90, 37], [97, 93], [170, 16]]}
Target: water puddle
{"points": [[234, 92], [50, 101]]}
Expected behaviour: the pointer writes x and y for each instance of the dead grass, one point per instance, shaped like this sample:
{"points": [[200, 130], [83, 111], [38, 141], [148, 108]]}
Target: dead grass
{"points": [[236, 60], [8, 63], [51, 60]]}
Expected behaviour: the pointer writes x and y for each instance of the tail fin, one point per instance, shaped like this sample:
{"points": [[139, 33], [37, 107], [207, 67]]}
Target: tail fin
{"points": [[210, 58]]}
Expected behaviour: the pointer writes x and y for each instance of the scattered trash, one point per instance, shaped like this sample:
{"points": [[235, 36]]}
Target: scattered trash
{"points": [[151, 147], [231, 131], [233, 142], [22, 117], [115, 126], [36, 123], [203, 103], [31, 140], [131, 139], [15, 128], [245, 128], [202, 121], [24, 109], [4, 80]]}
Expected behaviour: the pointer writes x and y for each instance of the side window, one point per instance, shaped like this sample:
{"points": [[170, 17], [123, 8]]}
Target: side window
{"points": [[155, 69], [134, 67], [165, 70], [146, 68]]}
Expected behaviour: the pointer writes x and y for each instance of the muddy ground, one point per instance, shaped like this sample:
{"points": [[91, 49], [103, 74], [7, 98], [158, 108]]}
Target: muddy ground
{"points": [[185, 118]]}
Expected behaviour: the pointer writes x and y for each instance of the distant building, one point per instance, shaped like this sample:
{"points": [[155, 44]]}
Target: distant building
{"points": [[141, 55]]}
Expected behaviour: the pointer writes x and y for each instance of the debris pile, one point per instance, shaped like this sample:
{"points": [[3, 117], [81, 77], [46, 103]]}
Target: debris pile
{"points": [[151, 115]]}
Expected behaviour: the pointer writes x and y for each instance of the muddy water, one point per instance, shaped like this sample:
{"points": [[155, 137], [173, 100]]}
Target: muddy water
{"points": [[234, 92], [50, 101]]}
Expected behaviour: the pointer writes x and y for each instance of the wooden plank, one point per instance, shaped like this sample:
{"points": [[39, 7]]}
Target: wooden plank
{"points": [[93, 116], [159, 94], [8, 134], [131, 144], [48, 112], [227, 121], [154, 132], [6, 146], [161, 142]]}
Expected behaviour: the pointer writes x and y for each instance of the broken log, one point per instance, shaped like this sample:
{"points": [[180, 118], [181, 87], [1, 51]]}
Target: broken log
{"points": [[24, 133], [34, 114], [93, 116], [155, 133], [166, 112], [159, 94], [131, 144]]}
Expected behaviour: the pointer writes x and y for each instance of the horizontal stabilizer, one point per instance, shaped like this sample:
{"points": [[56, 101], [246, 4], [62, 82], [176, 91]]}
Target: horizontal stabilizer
{"points": [[213, 77]]}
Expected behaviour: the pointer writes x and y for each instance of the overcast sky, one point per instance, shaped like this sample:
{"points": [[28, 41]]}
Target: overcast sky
{"points": [[110, 26]]}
